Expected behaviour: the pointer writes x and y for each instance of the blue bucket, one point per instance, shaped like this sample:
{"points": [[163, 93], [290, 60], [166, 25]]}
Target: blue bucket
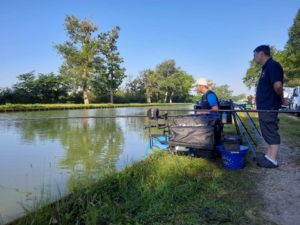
{"points": [[233, 159]]}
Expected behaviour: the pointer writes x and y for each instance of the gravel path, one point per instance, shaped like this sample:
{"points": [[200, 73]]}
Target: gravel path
{"points": [[280, 187]]}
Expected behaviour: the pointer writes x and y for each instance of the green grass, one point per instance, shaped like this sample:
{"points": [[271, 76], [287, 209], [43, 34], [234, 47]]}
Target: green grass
{"points": [[36, 107], [163, 189], [289, 128]]}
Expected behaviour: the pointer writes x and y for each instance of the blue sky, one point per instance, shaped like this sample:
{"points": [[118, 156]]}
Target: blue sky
{"points": [[212, 38]]}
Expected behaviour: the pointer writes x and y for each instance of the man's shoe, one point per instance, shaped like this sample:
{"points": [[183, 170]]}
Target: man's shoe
{"points": [[265, 163]]}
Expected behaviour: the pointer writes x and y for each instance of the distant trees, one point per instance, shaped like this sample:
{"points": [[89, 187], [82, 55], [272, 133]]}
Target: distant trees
{"points": [[223, 92], [165, 83], [239, 97], [92, 71], [289, 59], [43, 88]]}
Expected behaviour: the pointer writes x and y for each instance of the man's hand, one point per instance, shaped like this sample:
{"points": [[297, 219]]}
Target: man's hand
{"points": [[216, 107], [286, 101]]}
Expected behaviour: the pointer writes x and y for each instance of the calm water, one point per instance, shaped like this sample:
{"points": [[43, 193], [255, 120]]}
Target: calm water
{"points": [[46, 158]]}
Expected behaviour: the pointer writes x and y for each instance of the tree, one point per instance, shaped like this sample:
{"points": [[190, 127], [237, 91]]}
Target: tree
{"points": [[239, 97], [24, 90], [144, 86], [111, 73], [135, 90], [183, 83], [45, 88], [223, 92], [166, 72], [50, 88], [252, 75], [150, 84], [80, 53], [165, 83], [171, 80], [292, 53], [2, 98]]}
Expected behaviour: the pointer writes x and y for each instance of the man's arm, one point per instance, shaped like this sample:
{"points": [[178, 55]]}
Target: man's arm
{"points": [[213, 102], [277, 86], [277, 81]]}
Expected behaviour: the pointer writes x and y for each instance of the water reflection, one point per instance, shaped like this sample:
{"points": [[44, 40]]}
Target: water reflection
{"points": [[54, 155], [92, 147]]}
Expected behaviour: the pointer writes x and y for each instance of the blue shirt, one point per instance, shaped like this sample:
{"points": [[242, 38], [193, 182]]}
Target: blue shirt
{"points": [[212, 99], [266, 97]]}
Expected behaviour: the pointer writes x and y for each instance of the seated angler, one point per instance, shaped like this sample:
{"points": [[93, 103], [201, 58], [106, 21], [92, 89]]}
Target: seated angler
{"points": [[209, 98], [210, 101]]}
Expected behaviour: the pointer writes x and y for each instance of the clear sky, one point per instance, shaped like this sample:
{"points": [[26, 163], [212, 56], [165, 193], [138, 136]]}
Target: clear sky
{"points": [[212, 38]]}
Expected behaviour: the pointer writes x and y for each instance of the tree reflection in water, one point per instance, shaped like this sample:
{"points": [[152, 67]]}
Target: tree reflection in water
{"points": [[92, 146]]}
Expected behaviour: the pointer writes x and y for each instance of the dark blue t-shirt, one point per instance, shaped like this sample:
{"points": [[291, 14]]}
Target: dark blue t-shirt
{"points": [[266, 97]]}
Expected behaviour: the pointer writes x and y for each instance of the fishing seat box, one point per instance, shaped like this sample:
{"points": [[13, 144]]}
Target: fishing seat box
{"points": [[194, 132]]}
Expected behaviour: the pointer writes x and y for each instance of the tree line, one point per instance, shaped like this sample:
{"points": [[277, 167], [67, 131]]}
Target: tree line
{"points": [[289, 58], [92, 71]]}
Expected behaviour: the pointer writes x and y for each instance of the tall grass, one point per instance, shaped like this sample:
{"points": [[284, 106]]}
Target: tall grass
{"points": [[163, 189]]}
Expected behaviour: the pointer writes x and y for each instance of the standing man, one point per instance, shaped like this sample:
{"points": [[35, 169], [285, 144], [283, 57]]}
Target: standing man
{"points": [[269, 96]]}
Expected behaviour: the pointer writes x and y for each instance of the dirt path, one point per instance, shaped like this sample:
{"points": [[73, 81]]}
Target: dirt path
{"points": [[280, 187]]}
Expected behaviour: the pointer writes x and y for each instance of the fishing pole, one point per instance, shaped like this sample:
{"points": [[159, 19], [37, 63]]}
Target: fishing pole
{"points": [[233, 110], [144, 116], [89, 117]]}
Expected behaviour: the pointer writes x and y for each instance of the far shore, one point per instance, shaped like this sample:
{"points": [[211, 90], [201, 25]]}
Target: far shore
{"points": [[45, 107]]}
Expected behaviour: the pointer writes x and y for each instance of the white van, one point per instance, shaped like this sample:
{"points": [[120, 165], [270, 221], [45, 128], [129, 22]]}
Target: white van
{"points": [[288, 93], [296, 99]]}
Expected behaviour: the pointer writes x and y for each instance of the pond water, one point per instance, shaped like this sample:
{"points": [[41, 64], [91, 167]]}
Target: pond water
{"points": [[45, 158]]}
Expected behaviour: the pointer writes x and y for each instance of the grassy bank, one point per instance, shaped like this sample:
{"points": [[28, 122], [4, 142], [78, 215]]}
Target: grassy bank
{"points": [[41, 107], [166, 189], [163, 189]]}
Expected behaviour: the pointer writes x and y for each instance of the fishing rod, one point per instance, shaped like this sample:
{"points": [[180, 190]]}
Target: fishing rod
{"points": [[233, 110], [92, 117], [166, 110], [78, 117]]}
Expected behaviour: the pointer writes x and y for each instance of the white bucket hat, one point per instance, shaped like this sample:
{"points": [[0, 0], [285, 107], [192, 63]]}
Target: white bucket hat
{"points": [[201, 81]]}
